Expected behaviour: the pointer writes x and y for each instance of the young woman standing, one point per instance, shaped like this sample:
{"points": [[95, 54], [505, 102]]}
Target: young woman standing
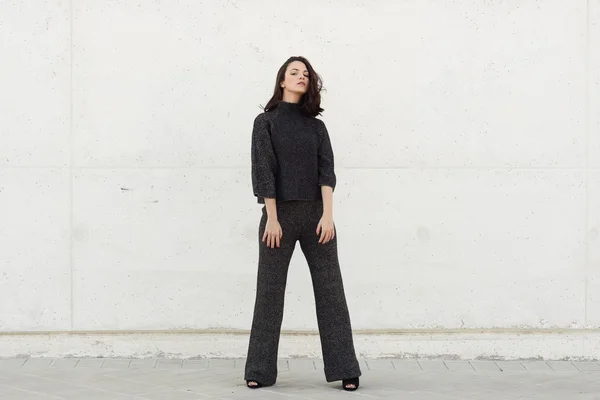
{"points": [[293, 175]]}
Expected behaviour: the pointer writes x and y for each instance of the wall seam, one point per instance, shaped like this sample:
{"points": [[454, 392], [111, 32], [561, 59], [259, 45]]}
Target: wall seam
{"points": [[587, 161], [71, 159]]}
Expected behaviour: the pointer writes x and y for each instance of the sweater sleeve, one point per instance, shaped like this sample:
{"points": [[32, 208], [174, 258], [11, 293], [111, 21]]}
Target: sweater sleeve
{"points": [[264, 162], [326, 165]]}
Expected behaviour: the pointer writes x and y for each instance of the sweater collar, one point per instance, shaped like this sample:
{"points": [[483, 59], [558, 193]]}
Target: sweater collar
{"points": [[289, 107]]}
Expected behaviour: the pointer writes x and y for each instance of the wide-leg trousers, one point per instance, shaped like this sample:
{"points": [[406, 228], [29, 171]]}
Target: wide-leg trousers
{"points": [[299, 220]]}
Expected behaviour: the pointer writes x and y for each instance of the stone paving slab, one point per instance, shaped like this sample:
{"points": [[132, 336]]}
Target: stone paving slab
{"points": [[540, 366], [587, 366], [454, 365], [511, 366], [196, 364], [176, 379], [87, 363], [380, 365], [116, 363], [64, 363], [485, 366], [302, 365], [433, 365], [406, 365]]}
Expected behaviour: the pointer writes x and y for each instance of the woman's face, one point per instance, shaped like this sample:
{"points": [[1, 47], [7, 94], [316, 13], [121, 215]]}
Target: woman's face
{"points": [[296, 78]]}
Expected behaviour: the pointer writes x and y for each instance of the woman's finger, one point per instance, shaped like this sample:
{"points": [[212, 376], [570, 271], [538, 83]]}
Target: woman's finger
{"points": [[330, 236], [277, 239]]}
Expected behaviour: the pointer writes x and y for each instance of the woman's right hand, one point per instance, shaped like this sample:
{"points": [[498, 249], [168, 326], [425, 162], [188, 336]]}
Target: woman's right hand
{"points": [[273, 233]]}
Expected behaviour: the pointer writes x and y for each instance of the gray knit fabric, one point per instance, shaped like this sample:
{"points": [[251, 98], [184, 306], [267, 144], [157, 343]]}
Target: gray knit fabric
{"points": [[299, 220], [291, 155]]}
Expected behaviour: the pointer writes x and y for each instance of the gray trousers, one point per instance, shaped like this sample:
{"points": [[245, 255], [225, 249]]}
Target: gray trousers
{"points": [[299, 220]]}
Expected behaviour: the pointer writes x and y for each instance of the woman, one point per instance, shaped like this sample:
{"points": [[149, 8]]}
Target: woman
{"points": [[293, 175]]}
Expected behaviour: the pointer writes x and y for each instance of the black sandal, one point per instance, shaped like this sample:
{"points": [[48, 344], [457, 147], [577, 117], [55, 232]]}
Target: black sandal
{"points": [[258, 384], [351, 381]]}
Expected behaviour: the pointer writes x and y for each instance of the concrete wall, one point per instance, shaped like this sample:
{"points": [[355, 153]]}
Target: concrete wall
{"points": [[467, 141]]}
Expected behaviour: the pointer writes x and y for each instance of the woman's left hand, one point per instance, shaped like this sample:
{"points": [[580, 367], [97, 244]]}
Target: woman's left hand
{"points": [[326, 229]]}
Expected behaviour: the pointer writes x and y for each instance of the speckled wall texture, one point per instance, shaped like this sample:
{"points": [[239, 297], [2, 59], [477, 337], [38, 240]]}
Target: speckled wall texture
{"points": [[467, 142]]}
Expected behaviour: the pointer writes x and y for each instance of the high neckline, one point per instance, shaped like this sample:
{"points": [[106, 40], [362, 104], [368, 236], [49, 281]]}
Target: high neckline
{"points": [[289, 107]]}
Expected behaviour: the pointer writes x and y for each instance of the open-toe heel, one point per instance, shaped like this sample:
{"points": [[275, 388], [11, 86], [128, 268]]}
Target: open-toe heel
{"points": [[351, 381], [258, 384]]}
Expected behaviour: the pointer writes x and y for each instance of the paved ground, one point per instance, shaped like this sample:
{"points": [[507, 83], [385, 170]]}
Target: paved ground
{"points": [[152, 379]]}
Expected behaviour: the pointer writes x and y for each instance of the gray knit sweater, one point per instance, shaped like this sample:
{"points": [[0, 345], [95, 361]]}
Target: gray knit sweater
{"points": [[291, 155]]}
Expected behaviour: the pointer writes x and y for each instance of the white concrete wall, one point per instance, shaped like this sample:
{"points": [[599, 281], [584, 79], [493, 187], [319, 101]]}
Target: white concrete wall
{"points": [[467, 140]]}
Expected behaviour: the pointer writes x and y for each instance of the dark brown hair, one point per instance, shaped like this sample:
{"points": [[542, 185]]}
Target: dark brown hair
{"points": [[310, 102]]}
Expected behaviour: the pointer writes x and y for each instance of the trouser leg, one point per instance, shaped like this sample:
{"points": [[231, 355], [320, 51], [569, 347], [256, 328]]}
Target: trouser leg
{"points": [[273, 264], [333, 317]]}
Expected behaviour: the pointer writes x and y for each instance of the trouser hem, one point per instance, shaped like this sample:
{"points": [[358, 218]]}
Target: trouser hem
{"points": [[340, 375], [264, 382]]}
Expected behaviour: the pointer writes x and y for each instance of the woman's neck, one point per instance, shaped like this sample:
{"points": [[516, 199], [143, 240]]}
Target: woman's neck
{"points": [[290, 97]]}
